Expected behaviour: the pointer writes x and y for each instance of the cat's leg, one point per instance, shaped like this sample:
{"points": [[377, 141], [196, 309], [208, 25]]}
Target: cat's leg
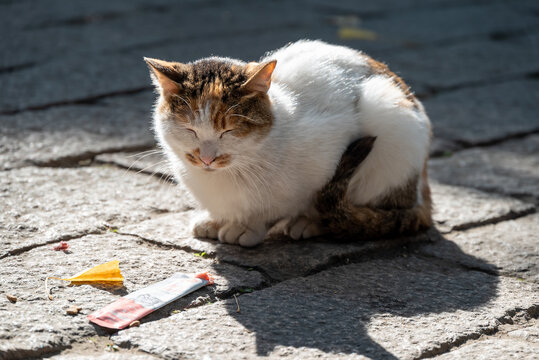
{"points": [[244, 235], [303, 227], [205, 227]]}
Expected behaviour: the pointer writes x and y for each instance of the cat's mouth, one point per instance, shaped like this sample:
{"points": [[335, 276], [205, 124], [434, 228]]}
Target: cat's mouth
{"points": [[217, 163]]}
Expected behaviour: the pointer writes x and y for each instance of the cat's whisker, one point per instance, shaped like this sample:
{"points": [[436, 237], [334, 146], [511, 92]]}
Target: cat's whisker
{"points": [[146, 153], [151, 166]]}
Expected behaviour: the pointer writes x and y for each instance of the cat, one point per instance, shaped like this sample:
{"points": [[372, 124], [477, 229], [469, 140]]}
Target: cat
{"points": [[260, 142]]}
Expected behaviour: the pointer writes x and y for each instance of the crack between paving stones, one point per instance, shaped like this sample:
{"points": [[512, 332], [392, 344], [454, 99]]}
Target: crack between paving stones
{"points": [[417, 252], [496, 141], [81, 101], [437, 90], [187, 249], [47, 350], [18, 67], [512, 215], [18, 251], [73, 160], [466, 145], [161, 175], [507, 318]]}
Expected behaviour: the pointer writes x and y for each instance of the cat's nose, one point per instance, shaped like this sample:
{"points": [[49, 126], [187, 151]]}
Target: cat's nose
{"points": [[207, 159]]}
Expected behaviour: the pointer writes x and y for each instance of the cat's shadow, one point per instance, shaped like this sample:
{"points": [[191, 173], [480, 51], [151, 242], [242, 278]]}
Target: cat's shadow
{"points": [[330, 310]]}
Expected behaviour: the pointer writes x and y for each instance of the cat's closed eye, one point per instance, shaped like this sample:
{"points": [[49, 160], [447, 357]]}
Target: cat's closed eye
{"points": [[192, 132], [225, 132]]}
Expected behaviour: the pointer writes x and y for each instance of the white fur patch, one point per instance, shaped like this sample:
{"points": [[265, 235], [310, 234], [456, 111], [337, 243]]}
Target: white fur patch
{"points": [[401, 145]]}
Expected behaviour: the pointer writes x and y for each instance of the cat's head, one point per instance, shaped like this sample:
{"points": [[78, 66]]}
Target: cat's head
{"points": [[213, 112]]}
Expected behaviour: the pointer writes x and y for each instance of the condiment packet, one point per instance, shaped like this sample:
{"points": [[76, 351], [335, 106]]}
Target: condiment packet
{"points": [[140, 303]]}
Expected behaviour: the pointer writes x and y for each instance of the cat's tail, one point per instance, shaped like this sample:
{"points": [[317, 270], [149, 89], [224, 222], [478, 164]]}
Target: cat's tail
{"points": [[343, 218]]}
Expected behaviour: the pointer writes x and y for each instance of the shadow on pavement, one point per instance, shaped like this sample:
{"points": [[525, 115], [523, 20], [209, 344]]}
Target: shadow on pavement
{"points": [[330, 310]]}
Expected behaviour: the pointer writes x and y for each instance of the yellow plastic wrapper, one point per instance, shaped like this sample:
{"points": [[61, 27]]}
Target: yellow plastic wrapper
{"points": [[104, 273], [350, 33]]}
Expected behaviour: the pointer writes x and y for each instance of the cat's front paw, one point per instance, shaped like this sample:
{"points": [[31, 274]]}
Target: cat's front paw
{"points": [[208, 229], [303, 227], [236, 233]]}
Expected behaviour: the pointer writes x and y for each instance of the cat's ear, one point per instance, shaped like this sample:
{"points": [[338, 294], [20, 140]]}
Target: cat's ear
{"points": [[260, 76], [166, 75]]}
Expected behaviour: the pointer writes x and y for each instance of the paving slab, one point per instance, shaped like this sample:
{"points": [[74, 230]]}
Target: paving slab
{"points": [[383, 309], [486, 113], [528, 331], [40, 14], [125, 71], [466, 63], [146, 24], [510, 168], [511, 246], [384, 6], [34, 325], [494, 348], [42, 205], [457, 208], [62, 135], [417, 27], [142, 101]]}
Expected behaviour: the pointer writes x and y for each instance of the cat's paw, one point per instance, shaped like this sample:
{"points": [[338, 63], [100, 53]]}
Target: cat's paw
{"points": [[207, 229], [303, 227], [236, 233]]}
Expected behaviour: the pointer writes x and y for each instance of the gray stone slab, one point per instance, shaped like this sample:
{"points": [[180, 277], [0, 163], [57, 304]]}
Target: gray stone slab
{"points": [[31, 14], [529, 331], [279, 257], [34, 325], [481, 114], [66, 134], [511, 246], [457, 208], [494, 348], [42, 205], [383, 6], [142, 101], [382, 309], [511, 167], [415, 27], [124, 70], [146, 24], [76, 77], [466, 63], [442, 147]]}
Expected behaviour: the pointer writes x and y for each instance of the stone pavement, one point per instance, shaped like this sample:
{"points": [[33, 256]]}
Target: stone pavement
{"points": [[76, 164]]}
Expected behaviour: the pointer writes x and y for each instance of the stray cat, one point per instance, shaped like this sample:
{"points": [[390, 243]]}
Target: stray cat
{"points": [[261, 142]]}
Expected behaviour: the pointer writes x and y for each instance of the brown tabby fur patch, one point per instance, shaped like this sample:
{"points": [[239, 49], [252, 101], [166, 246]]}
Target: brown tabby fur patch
{"points": [[395, 214], [218, 82], [379, 68]]}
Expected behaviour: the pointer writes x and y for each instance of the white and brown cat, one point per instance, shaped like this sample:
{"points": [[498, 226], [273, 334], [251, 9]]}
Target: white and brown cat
{"points": [[261, 142]]}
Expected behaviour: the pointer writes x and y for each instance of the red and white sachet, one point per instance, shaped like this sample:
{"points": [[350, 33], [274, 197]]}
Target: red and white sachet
{"points": [[140, 303]]}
